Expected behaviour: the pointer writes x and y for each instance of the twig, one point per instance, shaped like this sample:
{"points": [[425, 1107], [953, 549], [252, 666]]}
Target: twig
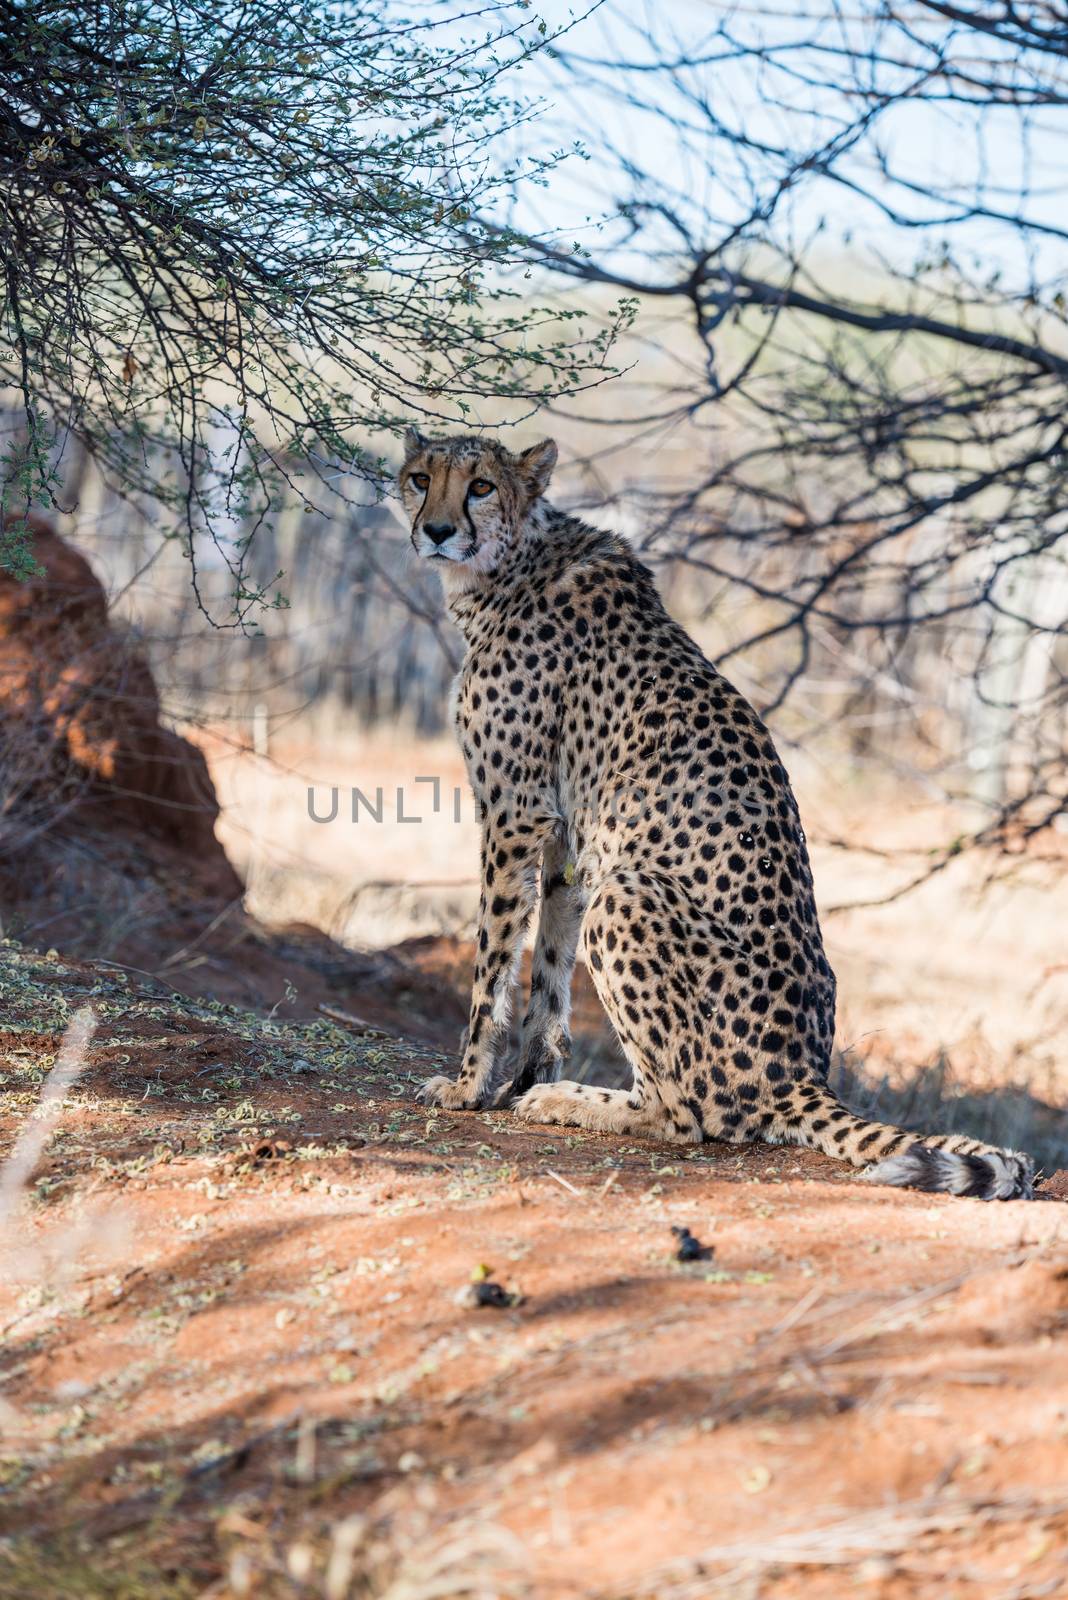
{"points": [[805, 1304], [38, 1127], [172, 960], [563, 1181], [350, 1020]]}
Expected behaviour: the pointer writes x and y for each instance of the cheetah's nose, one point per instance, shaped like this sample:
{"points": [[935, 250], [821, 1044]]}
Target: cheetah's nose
{"points": [[438, 532]]}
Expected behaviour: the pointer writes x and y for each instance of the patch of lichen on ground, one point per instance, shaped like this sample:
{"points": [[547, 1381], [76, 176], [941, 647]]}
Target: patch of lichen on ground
{"points": [[154, 1049], [40, 993], [64, 1569]]}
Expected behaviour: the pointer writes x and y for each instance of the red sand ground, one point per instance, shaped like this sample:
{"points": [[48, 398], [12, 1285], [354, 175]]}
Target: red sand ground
{"points": [[238, 1353], [231, 1325]]}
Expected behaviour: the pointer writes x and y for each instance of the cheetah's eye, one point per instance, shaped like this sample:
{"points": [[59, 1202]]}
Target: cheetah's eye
{"points": [[421, 480], [481, 487]]}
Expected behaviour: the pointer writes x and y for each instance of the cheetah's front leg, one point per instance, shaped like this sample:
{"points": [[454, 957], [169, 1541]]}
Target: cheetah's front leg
{"points": [[511, 846], [545, 1043]]}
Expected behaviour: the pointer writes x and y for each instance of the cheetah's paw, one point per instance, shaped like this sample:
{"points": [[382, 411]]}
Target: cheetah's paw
{"points": [[549, 1102], [447, 1093]]}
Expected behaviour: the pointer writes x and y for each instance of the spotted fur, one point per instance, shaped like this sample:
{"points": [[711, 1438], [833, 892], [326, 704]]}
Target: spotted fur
{"points": [[619, 774]]}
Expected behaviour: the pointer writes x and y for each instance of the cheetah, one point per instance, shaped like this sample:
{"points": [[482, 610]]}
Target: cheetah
{"points": [[625, 785]]}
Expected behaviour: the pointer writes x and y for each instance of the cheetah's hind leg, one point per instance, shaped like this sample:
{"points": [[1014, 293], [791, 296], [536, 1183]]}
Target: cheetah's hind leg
{"points": [[584, 1105]]}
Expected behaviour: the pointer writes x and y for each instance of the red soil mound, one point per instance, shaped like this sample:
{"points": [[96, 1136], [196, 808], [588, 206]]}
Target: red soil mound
{"points": [[107, 825], [80, 724]]}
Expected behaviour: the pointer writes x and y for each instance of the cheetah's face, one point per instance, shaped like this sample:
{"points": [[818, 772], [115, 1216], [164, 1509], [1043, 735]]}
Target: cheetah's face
{"points": [[467, 497]]}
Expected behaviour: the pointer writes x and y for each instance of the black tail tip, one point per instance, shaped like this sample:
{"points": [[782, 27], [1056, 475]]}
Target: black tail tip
{"points": [[994, 1175]]}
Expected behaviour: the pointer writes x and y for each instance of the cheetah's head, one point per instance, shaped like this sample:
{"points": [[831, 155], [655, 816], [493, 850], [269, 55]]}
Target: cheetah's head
{"points": [[467, 498]]}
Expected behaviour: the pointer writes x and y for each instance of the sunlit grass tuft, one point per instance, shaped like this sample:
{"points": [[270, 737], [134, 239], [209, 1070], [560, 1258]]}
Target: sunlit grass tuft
{"points": [[63, 1569]]}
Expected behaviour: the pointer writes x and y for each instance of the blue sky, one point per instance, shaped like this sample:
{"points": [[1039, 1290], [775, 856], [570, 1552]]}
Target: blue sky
{"points": [[1017, 168]]}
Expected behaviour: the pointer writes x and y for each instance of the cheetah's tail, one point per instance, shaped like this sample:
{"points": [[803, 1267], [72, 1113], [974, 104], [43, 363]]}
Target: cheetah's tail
{"points": [[943, 1163]]}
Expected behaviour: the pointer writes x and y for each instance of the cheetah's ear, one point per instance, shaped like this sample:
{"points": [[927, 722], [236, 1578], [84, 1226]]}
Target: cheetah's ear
{"points": [[536, 466], [414, 441]]}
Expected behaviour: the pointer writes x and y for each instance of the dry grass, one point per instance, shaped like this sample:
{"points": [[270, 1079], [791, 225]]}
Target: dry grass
{"points": [[355, 1560], [38, 1128], [70, 1569], [876, 1542]]}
